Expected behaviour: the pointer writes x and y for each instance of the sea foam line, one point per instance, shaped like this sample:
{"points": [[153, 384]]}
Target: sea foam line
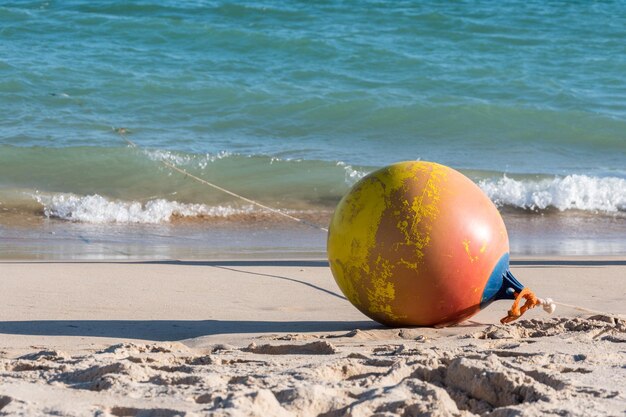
{"points": [[98, 209], [578, 192]]}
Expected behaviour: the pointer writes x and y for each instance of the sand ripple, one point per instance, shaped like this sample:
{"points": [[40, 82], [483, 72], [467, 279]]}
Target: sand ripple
{"points": [[535, 367]]}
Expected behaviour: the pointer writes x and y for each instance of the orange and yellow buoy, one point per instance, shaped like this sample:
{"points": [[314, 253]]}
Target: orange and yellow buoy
{"points": [[418, 243]]}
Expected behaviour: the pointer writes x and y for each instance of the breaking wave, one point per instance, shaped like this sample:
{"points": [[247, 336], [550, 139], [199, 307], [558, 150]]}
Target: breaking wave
{"points": [[572, 192], [98, 209]]}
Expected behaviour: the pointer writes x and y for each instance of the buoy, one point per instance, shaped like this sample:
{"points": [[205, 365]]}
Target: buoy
{"points": [[419, 244]]}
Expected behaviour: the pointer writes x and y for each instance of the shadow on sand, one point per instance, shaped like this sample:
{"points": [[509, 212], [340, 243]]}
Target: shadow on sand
{"points": [[171, 330]]}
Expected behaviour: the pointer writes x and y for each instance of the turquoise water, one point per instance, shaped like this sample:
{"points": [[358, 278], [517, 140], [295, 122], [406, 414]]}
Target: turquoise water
{"points": [[291, 102]]}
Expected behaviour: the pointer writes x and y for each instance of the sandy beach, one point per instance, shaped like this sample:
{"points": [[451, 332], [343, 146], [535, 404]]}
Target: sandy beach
{"points": [[180, 180], [267, 338]]}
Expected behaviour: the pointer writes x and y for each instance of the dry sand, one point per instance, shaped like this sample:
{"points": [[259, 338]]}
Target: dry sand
{"points": [[276, 338]]}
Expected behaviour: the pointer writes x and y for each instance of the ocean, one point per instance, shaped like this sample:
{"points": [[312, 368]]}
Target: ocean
{"points": [[289, 104]]}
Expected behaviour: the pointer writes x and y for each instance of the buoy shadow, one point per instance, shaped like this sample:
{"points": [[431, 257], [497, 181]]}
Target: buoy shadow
{"points": [[172, 330]]}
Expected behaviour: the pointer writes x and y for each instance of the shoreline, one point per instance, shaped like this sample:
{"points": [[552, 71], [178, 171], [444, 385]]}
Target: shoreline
{"points": [[530, 235]]}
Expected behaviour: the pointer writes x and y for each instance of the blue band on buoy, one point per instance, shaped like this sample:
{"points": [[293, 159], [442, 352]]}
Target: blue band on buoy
{"points": [[502, 285]]}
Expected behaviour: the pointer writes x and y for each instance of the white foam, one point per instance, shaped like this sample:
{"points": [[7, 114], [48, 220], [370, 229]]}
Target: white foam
{"points": [[579, 192], [351, 175], [200, 161], [97, 209]]}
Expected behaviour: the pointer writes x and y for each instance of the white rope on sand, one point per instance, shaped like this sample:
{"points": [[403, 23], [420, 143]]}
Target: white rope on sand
{"points": [[549, 306], [122, 132], [590, 311]]}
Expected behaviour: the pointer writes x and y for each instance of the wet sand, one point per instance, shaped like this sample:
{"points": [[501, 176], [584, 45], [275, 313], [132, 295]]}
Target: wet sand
{"points": [[261, 236]]}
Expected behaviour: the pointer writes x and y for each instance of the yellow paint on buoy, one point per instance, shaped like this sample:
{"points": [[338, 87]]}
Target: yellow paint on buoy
{"points": [[415, 243]]}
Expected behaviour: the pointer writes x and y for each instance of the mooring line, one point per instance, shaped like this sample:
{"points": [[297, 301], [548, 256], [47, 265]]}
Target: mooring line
{"points": [[122, 132], [590, 311]]}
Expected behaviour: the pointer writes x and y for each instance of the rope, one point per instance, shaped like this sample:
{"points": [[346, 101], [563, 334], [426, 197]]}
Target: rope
{"points": [[531, 302], [548, 305], [587, 310], [122, 132]]}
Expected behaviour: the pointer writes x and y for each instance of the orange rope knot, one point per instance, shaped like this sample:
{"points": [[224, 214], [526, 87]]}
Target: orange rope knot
{"points": [[516, 311]]}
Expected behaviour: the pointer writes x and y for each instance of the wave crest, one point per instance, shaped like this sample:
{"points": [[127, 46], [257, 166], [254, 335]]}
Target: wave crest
{"points": [[97, 209], [579, 192]]}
